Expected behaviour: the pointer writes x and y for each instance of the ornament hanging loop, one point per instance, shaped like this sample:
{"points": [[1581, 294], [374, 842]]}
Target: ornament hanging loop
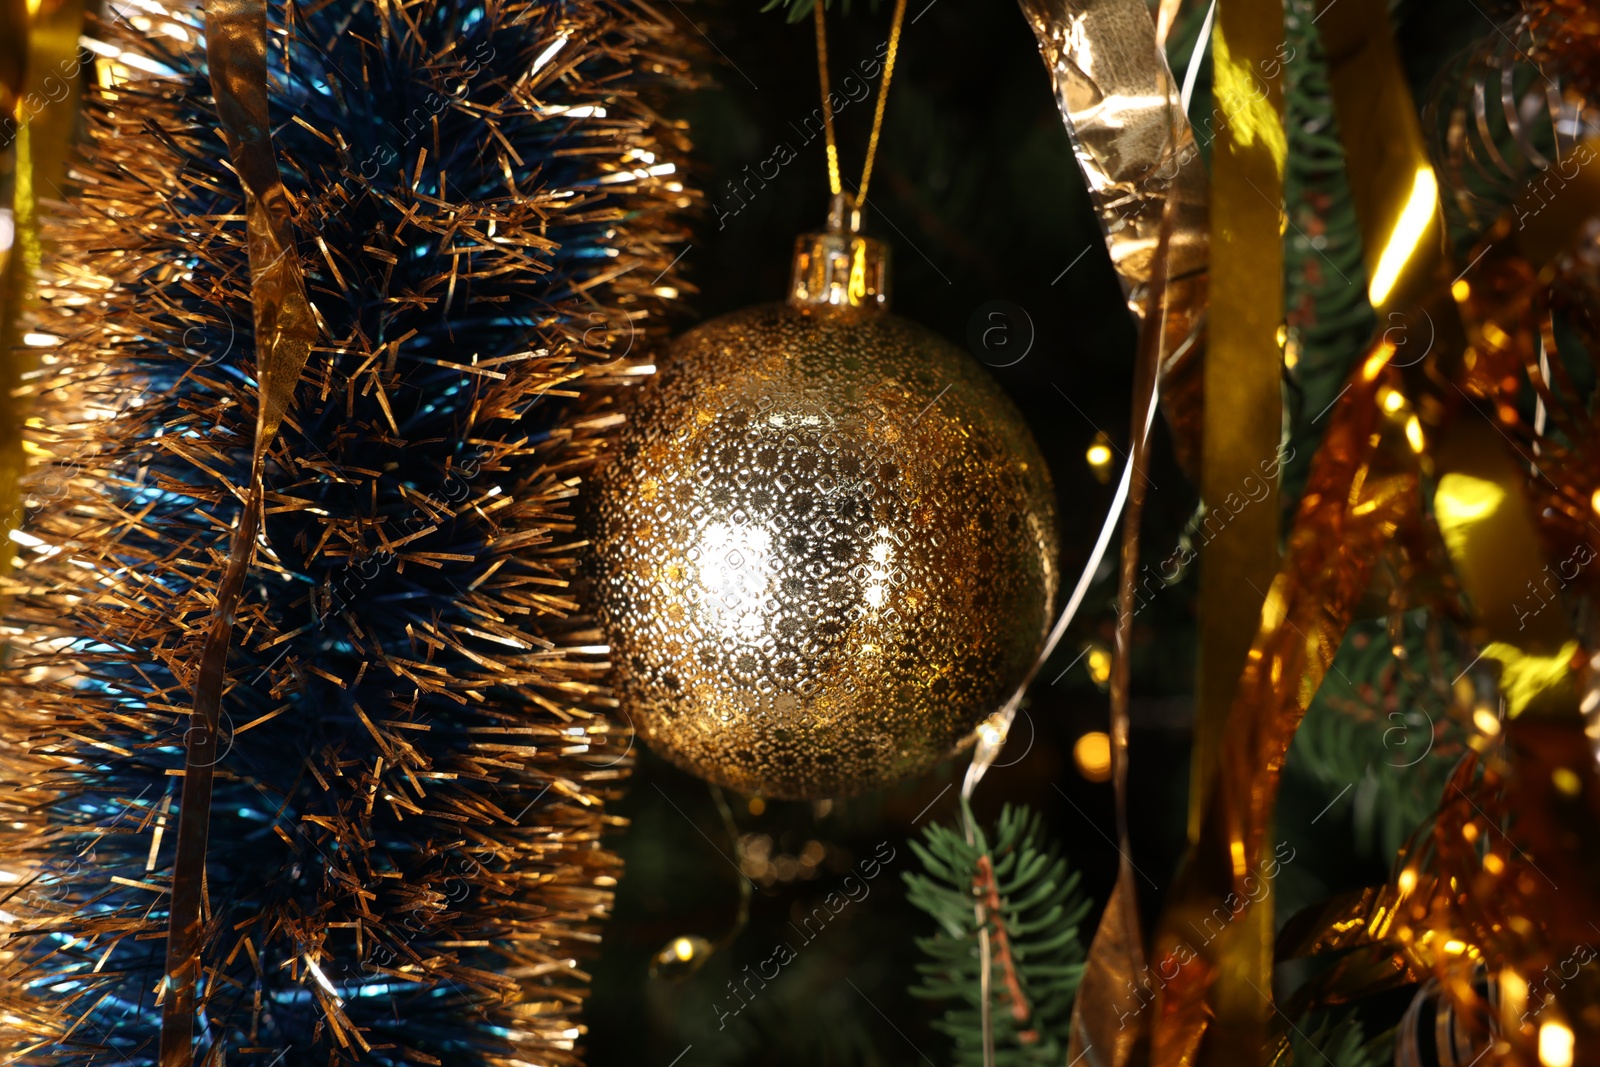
{"points": [[835, 185], [839, 271]]}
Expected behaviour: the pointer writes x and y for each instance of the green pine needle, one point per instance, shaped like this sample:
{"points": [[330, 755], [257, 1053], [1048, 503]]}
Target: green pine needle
{"points": [[1339, 1041], [1325, 282], [1385, 724], [1036, 954]]}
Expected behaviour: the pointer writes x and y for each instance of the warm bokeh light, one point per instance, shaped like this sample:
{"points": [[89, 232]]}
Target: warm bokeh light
{"points": [[1099, 664], [1092, 754], [1414, 434], [991, 734], [1099, 457], [1486, 721], [1555, 1044], [680, 957]]}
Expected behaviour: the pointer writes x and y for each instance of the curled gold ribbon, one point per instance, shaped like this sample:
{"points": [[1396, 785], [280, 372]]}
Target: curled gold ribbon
{"points": [[1350, 511], [284, 328]]}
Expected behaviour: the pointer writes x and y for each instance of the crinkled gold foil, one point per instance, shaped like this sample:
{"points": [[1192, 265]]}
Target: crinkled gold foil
{"points": [[1137, 151], [1133, 143]]}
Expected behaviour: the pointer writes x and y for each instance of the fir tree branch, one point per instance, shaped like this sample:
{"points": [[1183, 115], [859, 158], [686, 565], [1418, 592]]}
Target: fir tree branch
{"points": [[1031, 910]]}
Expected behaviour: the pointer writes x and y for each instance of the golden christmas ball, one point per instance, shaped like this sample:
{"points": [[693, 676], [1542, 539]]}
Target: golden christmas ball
{"points": [[827, 544]]}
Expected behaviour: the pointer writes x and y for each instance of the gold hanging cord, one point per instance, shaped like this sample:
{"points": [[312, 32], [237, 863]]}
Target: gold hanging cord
{"points": [[834, 185]]}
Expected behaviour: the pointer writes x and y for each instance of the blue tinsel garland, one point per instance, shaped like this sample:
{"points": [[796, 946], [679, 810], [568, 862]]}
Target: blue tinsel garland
{"points": [[405, 843]]}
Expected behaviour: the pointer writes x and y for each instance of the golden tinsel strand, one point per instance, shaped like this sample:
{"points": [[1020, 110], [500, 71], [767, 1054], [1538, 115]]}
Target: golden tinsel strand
{"points": [[406, 857]]}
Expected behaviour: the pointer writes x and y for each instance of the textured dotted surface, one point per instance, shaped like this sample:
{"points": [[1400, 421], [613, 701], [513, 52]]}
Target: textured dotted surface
{"points": [[827, 550]]}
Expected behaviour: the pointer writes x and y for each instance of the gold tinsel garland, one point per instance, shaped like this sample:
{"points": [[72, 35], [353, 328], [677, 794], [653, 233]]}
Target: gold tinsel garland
{"points": [[405, 856]]}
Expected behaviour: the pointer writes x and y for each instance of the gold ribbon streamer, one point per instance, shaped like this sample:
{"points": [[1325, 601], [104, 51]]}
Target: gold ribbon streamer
{"points": [[284, 328], [38, 52], [1239, 443], [1121, 108], [1243, 371]]}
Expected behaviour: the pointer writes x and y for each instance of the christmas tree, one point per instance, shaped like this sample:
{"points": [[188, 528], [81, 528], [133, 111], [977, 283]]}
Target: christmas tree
{"points": [[1347, 644]]}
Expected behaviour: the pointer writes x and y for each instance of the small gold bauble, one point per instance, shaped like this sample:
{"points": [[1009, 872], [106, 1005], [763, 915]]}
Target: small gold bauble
{"points": [[827, 544]]}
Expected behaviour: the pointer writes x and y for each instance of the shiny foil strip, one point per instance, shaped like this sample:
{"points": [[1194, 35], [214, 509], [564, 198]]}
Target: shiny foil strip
{"points": [[1120, 105], [1243, 389], [1137, 151], [1243, 371], [284, 328], [40, 75]]}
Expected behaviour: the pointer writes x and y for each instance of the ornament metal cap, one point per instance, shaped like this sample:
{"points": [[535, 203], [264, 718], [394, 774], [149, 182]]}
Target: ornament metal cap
{"points": [[840, 268]]}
